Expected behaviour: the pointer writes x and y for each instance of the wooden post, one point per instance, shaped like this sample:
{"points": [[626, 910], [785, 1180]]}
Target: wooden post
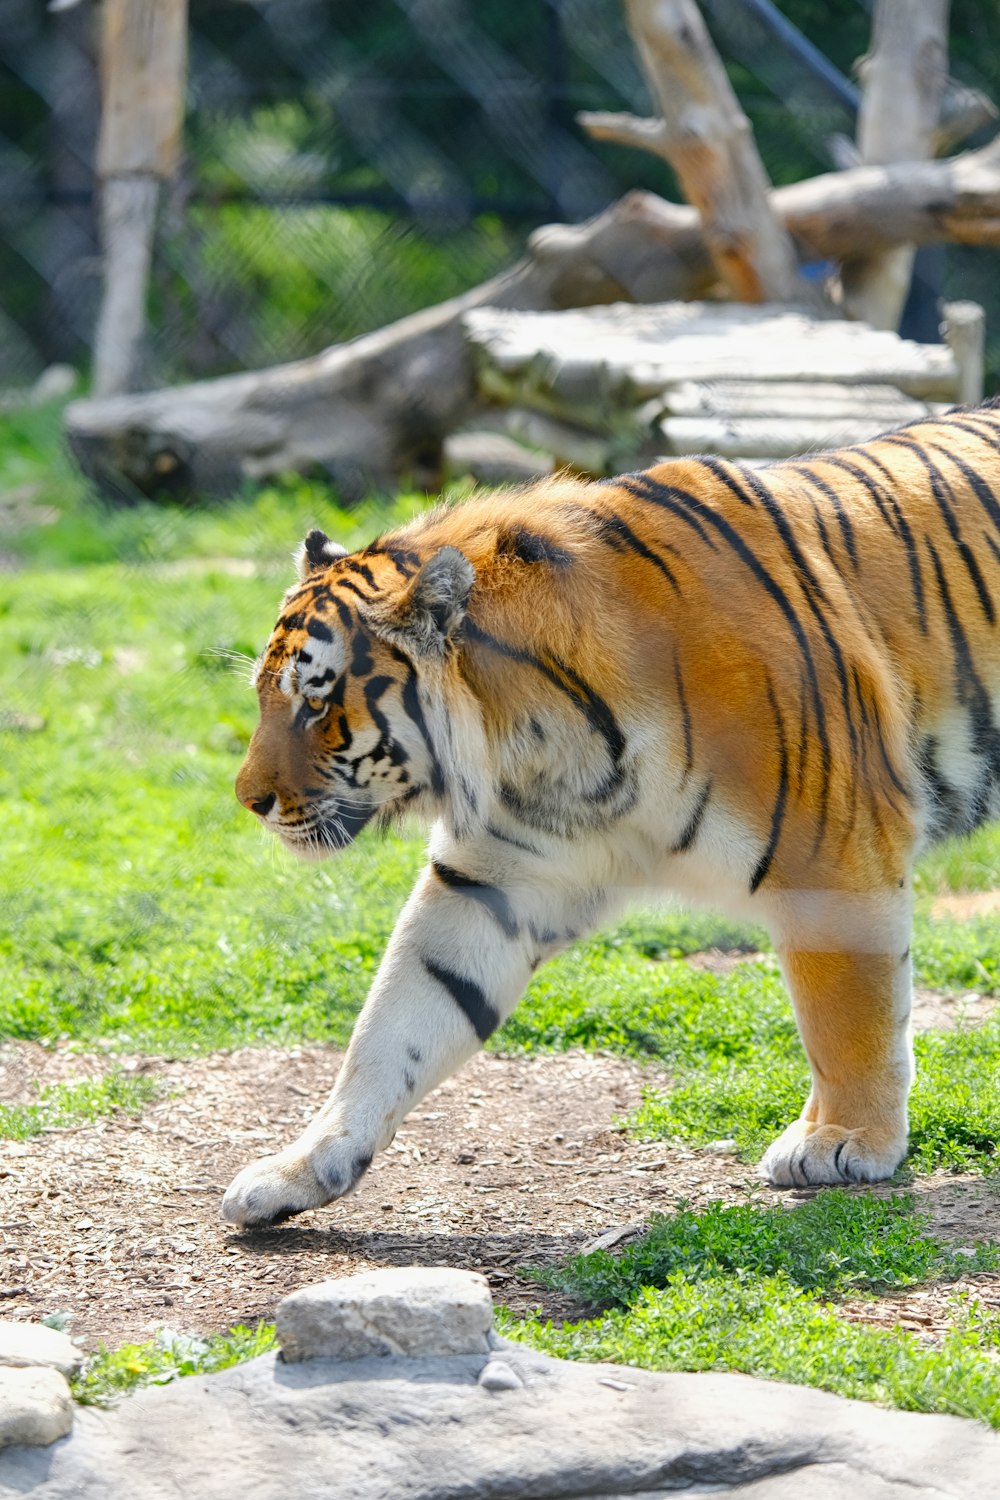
{"points": [[904, 80], [964, 329], [708, 141], [143, 63]]}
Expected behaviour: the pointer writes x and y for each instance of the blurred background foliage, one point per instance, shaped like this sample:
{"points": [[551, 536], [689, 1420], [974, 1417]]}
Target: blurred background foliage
{"points": [[346, 164]]}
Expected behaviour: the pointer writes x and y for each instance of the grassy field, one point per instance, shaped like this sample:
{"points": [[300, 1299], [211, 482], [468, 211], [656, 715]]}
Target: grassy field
{"points": [[141, 910]]}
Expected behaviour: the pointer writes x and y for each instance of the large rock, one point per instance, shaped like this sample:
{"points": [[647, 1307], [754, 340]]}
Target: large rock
{"points": [[416, 1310], [24, 1344], [429, 1429], [35, 1407]]}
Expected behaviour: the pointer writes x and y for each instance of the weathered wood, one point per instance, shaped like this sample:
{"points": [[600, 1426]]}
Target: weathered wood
{"points": [[143, 62], [964, 329], [903, 84], [128, 221], [765, 437], [597, 365], [708, 141], [964, 111], [377, 409], [143, 58], [367, 414], [647, 249], [884, 404]]}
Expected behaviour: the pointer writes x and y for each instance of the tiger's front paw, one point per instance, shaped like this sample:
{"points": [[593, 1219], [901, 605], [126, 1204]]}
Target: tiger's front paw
{"points": [[273, 1189], [811, 1155]]}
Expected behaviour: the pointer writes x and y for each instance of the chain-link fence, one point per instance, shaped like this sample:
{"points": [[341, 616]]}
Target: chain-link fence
{"points": [[346, 164]]}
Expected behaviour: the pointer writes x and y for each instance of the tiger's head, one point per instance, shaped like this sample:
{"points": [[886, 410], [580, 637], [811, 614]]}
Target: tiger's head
{"points": [[352, 685]]}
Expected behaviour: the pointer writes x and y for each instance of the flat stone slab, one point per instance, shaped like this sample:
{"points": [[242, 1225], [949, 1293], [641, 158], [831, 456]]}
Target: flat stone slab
{"points": [[624, 351], [35, 1407], [24, 1344], [412, 1310], [432, 1429]]}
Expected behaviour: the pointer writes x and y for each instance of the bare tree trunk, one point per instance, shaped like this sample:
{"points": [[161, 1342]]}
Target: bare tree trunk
{"points": [[904, 80], [707, 139], [143, 62]]}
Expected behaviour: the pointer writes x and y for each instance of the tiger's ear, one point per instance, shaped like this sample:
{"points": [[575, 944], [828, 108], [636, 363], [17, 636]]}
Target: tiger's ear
{"points": [[425, 616], [317, 552]]}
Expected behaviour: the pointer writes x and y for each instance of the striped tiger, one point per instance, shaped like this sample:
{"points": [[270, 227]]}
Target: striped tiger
{"points": [[766, 688]]}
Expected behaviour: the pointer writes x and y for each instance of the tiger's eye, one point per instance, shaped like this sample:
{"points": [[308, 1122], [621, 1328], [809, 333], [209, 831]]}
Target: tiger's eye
{"points": [[315, 705]]}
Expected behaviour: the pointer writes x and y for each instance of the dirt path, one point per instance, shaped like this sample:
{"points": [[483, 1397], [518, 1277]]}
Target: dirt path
{"points": [[516, 1161]]}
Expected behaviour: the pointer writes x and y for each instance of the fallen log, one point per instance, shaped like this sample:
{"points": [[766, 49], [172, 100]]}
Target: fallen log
{"points": [[375, 410]]}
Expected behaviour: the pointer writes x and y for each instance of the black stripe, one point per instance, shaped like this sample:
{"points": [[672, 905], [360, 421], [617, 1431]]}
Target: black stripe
{"points": [[890, 511], [411, 703], [722, 473], [891, 771], [471, 1000], [843, 519], [948, 814], [941, 490], [969, 689], [404, 560], [836, 461], [810, 589], [580, 693], [508, 838], [667, 496], [977, 483], [361, 657], [784, 529], [361, 568], [321, 632], [690, 833], [778, 815], [777, 593], [490, 896], [528, 547], [348, 583], [616, 532], [685, 719]]}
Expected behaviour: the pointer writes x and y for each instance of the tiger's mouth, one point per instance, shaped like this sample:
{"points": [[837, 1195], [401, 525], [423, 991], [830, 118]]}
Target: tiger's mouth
{"points": [[329, 834]]}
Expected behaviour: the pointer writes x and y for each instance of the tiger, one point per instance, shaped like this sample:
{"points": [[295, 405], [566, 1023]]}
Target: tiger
{"points": [[762, 687]]}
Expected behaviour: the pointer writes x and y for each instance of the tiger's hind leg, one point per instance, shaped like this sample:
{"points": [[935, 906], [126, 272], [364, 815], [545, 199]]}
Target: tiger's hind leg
{"points": [[852, 1009]]}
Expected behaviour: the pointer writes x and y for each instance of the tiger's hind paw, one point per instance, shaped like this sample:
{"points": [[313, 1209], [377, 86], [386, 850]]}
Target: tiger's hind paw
{"points": [[810, 1155]]}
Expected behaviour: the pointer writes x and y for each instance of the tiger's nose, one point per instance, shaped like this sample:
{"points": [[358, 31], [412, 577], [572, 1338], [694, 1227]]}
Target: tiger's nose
{"points": [[259, 805]]}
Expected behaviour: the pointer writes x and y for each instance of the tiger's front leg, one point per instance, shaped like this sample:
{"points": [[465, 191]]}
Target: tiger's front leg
{"points": [[853, 1010], [456, 965]]}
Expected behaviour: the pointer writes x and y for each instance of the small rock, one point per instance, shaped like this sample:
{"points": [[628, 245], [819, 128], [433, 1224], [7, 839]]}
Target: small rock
{"points": [[24, 1344], [496, 1376], [414, 1310], [35, 1406], [724, 1147]]}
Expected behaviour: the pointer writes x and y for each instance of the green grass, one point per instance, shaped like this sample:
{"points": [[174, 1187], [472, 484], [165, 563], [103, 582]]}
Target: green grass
{"points": [[108, 1375], [742, 1288], [62, 1104], [835, 1243], [769, 1327], [954, 1108]]}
